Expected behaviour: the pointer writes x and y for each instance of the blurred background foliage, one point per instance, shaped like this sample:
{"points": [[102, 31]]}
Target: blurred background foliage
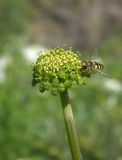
{"points": [[31, 124]]}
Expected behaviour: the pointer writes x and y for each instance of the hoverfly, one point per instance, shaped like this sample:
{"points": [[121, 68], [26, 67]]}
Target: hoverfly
{"points": [[92, 66]]}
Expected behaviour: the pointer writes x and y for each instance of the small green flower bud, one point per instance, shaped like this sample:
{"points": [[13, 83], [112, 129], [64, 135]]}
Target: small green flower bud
{"points": [[57, 70], [54, 91], [41, 87], [47, 85], [61, 87]]}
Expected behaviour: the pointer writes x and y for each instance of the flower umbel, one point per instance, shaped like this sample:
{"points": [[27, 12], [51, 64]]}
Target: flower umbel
{"points": [[57, 70]]}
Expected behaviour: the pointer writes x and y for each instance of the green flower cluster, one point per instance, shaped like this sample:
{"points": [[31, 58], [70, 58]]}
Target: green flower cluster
{"points": [[57, 70]]}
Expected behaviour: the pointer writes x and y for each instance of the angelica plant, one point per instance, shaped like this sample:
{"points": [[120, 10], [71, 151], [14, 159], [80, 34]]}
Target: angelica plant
{"points": [[57, 70]]}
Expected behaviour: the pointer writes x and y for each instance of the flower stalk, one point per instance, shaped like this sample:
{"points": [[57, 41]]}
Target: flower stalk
{"points": [[70, 126]]}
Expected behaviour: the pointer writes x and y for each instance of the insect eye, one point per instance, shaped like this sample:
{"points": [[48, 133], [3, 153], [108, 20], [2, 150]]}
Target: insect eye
{"points": [[84, 65], [90, 64]]}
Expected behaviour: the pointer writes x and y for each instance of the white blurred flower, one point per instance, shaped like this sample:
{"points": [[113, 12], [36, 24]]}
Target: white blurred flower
{"points": [[113, 85], [31, 52]]}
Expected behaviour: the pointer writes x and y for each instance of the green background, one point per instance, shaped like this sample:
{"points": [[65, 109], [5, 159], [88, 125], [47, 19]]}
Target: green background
{"points": [[31, 124]]}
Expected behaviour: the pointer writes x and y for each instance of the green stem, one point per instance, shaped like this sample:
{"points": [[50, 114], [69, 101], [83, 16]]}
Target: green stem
{"points": [[70, 126]]}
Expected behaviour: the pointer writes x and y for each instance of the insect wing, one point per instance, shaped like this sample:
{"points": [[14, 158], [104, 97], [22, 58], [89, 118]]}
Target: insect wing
{"points": [[105, 75]]}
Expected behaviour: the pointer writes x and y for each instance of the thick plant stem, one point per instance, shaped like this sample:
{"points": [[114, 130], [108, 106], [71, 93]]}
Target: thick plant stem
{"points": [[70, 126]]}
